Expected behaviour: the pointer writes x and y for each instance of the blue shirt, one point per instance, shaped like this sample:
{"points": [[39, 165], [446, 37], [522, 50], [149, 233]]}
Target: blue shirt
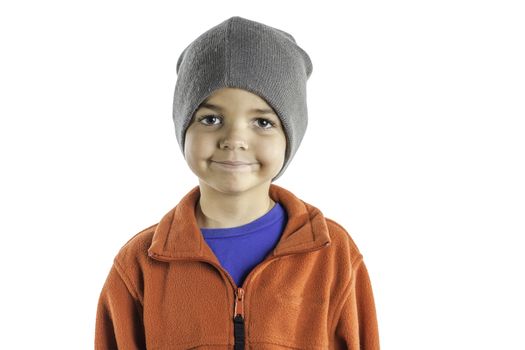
{"points": [[239, 249]]}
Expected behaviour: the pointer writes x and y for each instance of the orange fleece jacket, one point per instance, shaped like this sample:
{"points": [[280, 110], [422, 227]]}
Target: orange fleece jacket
{"points": [[167, 290]]}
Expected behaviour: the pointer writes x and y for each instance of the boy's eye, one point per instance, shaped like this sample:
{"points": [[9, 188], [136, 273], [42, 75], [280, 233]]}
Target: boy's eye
{"points": [[207, 117], [266, 123]]}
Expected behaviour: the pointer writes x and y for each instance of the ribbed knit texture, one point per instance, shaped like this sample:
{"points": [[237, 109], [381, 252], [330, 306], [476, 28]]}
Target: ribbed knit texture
{"points": [[245, 54]]}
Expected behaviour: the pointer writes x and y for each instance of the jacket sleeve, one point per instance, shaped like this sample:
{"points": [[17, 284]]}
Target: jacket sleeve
{"points": [[356, 325], [119, 322]]}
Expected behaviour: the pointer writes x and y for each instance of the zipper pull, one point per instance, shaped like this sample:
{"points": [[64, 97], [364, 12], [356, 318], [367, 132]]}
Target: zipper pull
{"points": [[238, 319], [239, 302]]}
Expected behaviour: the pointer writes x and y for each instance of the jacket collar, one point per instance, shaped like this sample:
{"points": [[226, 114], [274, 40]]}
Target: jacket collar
{"points": [[178, 236]]}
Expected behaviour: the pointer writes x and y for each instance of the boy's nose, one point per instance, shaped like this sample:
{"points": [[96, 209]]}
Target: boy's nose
{"points": [[234, 135], [233, 143]]}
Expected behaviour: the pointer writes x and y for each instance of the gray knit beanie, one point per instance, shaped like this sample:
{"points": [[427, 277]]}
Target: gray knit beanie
{"points": [[241, 53]]}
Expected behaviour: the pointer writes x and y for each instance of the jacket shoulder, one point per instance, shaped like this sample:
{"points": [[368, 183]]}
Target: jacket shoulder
{"points": [[345, 256], [132, 260], [341, 237], [136, 248]]}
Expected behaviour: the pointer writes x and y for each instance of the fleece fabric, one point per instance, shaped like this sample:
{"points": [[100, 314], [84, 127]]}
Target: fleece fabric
{"points": [[239, 249], [166, 289]]}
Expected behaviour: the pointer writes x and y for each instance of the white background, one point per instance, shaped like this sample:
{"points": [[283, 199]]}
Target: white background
{"points": [[415, 144]]}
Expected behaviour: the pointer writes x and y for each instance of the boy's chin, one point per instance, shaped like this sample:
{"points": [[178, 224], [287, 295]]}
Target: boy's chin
{"points": [[236, 185]]}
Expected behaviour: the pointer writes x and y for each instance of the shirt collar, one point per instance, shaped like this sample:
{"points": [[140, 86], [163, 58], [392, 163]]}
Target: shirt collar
{"points": [[178, 236]]}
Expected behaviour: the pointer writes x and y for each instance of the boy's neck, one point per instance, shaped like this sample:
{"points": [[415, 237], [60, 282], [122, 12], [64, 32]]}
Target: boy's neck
{"points": [[219, 210]]}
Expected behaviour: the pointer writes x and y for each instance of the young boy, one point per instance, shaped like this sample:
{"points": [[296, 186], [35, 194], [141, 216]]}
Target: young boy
{"points": [[239, 262]]}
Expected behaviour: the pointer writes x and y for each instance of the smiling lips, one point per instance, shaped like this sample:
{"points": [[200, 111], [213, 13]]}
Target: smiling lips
{"points": [[230, 162], [234, 165]]}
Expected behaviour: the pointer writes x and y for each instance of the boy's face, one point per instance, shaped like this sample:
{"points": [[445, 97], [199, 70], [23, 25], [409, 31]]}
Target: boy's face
{"points": [[226, 128]]}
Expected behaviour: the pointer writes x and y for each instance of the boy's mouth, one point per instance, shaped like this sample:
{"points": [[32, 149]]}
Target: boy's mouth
{"points": [[234, 166], [232, 162]]}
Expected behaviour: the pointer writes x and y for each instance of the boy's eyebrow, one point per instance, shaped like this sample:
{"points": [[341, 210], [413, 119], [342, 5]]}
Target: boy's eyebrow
{"points": [[254, 110]]}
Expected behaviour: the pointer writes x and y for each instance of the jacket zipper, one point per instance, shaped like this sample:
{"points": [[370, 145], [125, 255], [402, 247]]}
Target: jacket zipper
{"points": [[238, 313], [238, 319]]}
